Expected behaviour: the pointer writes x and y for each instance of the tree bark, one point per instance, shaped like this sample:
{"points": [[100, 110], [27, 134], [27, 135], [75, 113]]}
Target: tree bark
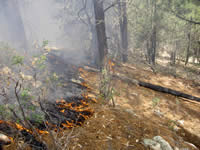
{"points": [[153, 46], [152, 39], [101, 32], [189, 44], [198, 53], [123, 28], [154, 35], [173, 58], [174, 51]]}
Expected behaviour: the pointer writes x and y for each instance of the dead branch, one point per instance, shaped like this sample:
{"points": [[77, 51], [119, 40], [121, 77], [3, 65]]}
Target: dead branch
{"points": [[112, 5], [157, 88], [28, 124], [83, 8], [16, 116], [18, 101], [50, 132]]}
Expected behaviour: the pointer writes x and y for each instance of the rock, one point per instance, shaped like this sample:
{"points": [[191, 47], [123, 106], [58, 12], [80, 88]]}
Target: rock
{"points": [[180, 122], [192, 145], [176, 148], [4, 140], [131, 112], [164, 144], [176, 128], [158, 113], [6, 71], [157, 143], [152, 144]]}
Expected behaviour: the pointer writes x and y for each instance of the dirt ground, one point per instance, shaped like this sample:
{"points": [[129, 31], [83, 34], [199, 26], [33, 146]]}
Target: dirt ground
{"points": [[139, 113]]}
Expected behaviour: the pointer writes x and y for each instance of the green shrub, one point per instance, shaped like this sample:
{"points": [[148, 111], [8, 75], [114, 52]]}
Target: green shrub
{"points": [[45, 43], [17, 60]]}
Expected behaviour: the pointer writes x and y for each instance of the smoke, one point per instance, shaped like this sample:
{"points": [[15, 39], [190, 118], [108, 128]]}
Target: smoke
{"points": [[39, 21], [11, 25], [25, 22]]}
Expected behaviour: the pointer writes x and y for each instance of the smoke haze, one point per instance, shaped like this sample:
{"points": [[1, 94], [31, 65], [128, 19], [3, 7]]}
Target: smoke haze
{"points": [[29, 22]]}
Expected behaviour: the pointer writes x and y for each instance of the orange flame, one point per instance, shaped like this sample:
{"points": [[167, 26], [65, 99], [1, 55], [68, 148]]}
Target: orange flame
{"points": [[63, 106]]}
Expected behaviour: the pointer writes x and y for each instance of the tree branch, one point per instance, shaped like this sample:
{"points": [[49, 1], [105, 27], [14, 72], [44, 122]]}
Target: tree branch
{"points": [[84, 7], [18, 101], [112, 5], [185, 19]]}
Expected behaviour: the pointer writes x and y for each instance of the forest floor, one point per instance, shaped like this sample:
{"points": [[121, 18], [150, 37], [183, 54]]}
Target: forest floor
{"points": [[140, 113]]}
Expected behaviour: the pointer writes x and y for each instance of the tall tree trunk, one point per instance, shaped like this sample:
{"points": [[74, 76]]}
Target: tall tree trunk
{"points": [[93, 50], [123, 28], [14, 25], [188, 47], [148, 51], [174, 51], [173, 55], [198, 52], [153, 45], [152, 39], [101, 32]]}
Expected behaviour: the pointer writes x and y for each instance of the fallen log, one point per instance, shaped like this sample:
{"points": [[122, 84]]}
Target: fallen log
{"points": [[157, 88]]}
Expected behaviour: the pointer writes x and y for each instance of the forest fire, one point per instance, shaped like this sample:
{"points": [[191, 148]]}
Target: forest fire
{"points": [[99, 74], [80, 110], [64, 113], [20, 128]]}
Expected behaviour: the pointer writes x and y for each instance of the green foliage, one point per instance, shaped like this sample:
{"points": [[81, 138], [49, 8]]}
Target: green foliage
{"points": [[26, 98], [105, 82], [4, 112], [107, 91], [18, 60], [54, 77], [171, 124], [40, 62], [9, 56], [37, 117], [32, 107], [171, 31], [112, 93], [25, 94], [45, 43], [155, 102], [196, 2]]}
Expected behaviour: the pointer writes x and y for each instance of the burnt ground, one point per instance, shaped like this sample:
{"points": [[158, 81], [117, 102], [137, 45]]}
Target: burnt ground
{"points": [[139, 113]]}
